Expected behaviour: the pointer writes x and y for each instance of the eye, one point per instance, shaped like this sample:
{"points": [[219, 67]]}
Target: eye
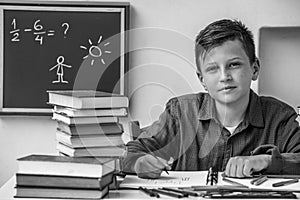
{"points": [[211, 69], [234, 65]]}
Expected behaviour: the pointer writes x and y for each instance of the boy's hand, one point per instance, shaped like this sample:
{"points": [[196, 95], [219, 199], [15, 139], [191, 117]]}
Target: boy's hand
{"points": [[149, 167], [243, 166]]}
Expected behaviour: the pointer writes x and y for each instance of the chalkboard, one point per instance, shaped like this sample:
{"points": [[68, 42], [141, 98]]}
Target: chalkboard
{"points": [[60, 47]]}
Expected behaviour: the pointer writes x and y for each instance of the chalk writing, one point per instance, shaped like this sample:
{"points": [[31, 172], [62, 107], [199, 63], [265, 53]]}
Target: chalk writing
{"points": [[67, 28], [15, 32], [60, 70], [37, 30], [95, 51]]}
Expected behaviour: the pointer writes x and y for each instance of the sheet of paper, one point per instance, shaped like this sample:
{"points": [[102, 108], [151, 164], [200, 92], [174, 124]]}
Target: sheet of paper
{"points": [[174, 179], [198, 178]]}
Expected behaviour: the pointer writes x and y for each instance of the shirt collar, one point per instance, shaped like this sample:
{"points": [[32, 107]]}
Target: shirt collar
{"points": [[208, 109], [253, 113]]}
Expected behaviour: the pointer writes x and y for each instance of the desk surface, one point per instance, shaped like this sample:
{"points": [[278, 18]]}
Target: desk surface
{"points": [[7, 192]]}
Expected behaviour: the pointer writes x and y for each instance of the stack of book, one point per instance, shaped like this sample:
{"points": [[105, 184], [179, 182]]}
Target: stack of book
{"points": [[49, 176], [88, 123]]}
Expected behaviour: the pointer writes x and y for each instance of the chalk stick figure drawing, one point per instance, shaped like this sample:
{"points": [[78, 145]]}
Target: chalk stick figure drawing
{"points": [[95, 51], [60, 70]]}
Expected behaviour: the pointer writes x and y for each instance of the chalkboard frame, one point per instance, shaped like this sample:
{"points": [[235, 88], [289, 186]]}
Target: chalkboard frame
{"points": [[122, 7]]}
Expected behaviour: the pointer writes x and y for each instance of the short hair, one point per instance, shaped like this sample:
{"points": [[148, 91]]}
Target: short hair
{"points": [[218, 32]]}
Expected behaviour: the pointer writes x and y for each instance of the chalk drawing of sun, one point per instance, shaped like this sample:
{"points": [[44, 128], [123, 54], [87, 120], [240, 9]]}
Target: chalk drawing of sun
{"points": [[95, 51]]}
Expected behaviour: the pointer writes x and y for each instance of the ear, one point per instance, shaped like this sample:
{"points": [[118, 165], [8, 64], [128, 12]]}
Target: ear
{"points": [[200, 77], [256, 69]]}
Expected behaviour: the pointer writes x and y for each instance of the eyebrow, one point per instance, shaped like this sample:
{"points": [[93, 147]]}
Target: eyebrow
{"points": [[231, 59], [235, 58], [211, 64]]}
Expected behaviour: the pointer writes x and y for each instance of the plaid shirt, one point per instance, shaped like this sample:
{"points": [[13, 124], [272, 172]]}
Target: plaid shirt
{"points": [[189, 131]]}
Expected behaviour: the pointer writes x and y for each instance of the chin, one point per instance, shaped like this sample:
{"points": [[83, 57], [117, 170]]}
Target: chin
{"points": [[227, 99]]}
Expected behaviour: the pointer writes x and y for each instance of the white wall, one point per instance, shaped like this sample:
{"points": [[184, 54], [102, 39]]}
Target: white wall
{"points": [[162, 63], [284, 67]]}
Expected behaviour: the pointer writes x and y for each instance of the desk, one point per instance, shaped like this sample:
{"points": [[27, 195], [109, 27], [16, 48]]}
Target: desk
{"points": [[7, 192]]}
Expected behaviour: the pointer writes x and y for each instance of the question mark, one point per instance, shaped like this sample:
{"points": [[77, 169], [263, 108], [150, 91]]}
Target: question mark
{"points": [[67, 27]]}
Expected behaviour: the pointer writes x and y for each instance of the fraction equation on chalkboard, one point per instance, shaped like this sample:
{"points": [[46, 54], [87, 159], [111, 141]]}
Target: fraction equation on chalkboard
{"points": [[37, 30]]}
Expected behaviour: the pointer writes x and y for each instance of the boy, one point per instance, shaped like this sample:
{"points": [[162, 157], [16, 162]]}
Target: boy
{"points": [[230, 127]]}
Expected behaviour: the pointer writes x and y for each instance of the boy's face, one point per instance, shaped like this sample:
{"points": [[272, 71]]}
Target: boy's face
{"points": [[227, 73]]}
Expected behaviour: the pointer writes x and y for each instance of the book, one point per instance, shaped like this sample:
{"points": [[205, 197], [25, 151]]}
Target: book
{"points": [[45, 180], [86, 129], [89, 140], [70, 193], [83, 99], [71, 112], [109, 151], [65, 166], [118, 159], [84, 120]]}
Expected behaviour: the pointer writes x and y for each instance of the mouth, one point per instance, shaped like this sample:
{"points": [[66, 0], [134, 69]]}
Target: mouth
{"points": [[227, 88]]}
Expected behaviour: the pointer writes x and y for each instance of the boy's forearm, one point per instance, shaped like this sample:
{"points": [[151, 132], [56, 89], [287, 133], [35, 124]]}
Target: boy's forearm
{"points": [[285, 163], [134, 151], [129, 163], [281, 163]]}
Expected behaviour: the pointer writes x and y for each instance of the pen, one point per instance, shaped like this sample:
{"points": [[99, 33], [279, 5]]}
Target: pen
{"points": [[150, 152], [283, 183], [233, 182], [149, 192], [171, 194], [259, 180]]}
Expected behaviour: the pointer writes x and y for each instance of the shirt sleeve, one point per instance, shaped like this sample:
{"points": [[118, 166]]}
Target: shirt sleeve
{"points": [[285, 154], [162, 141]]}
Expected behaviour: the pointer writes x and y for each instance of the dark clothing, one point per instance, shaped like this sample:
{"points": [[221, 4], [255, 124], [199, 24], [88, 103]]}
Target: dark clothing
{"points": [[189, 131]]}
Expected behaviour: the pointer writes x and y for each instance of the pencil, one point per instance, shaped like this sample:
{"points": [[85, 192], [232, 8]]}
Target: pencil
{"points": [[284, 183], [259, 180], [149, 192], [150, 152], [171, 194], [184, 192]]}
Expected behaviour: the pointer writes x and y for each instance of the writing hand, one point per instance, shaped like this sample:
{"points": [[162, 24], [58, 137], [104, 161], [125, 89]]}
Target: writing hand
{"points": [[149, 167], [243, 166]]}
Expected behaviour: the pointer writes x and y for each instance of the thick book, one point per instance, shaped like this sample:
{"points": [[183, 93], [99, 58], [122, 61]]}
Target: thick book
{"points": [[71, 112], [110, 151], [65, 166], [87, 129], [44, 180], [118, 159], [95, 140], [68, 193], [84, 120], [84, 99]]}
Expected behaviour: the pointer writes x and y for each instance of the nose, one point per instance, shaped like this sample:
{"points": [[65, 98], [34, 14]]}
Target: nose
{"points": [[225, 74]]}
